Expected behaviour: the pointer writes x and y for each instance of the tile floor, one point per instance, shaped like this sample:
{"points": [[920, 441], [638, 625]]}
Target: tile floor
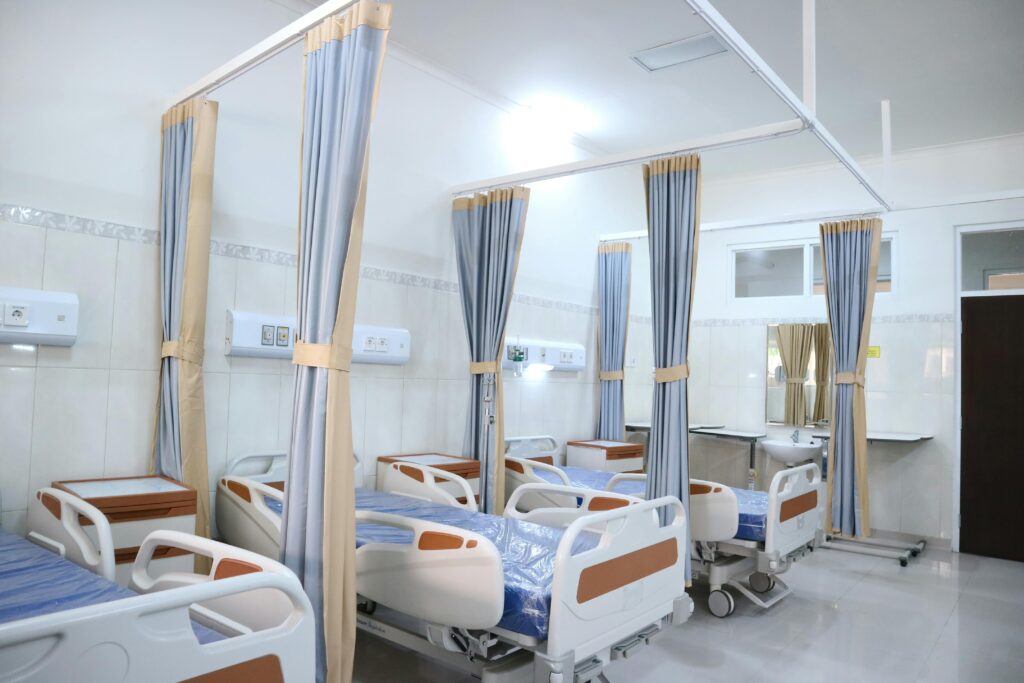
{"points": [[946, 617]]}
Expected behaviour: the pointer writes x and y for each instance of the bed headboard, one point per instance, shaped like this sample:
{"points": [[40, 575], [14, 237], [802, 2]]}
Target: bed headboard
{"points": [[533, 446]]}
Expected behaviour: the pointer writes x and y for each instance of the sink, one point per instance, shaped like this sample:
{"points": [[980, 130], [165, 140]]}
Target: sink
{"points": [[790, 453]]}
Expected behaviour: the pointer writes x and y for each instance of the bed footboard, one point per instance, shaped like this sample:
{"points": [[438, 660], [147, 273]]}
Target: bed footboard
{"points": [[54, 522], [446, 575], [633, 578], [150, 637], [243, 517], [714, 511], [420, 481], [520, 472], [796, 509]]}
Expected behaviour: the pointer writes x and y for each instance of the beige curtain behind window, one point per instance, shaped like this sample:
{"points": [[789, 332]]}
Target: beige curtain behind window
{"points": [[795, 349], [822, 371]]}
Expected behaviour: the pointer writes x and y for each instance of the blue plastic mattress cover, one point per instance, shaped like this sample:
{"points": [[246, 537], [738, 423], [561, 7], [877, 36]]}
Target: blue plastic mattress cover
{"points": [[274, 504], [34, 581], [527, 551], [753, 505]]}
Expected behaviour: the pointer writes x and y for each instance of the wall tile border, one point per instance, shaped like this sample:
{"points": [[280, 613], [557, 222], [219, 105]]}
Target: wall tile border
{"points": [[25, 215]]}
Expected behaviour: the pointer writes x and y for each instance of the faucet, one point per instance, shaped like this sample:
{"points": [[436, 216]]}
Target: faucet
{"points": [[795, 436]]}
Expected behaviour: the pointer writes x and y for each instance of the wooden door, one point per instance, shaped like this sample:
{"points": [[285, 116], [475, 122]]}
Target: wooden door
{"points": [[992, 431]]}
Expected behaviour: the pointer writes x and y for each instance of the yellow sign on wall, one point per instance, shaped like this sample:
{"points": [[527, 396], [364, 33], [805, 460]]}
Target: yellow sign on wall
{"points": [[874, 352]]}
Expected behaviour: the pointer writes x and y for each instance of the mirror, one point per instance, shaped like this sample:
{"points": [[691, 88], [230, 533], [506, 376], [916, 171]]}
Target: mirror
{"points": [[805, 349]]}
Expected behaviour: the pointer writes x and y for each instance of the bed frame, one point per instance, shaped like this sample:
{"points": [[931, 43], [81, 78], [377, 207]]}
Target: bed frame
{"points": [[149, 637], [795, 518], [604, 602], [421, 481], [243, 517]]}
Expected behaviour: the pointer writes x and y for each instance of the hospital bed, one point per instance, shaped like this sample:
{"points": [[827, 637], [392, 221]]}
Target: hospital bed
{"points": [[742, 539], [493, 595], [62, 617]]}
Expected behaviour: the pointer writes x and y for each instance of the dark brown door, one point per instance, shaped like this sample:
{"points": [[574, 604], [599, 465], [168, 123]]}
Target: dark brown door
{"points": [[992, 432]]}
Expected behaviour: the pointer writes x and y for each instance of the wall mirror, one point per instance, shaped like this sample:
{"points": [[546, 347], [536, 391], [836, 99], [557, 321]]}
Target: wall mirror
{"points": [[798, 388]]}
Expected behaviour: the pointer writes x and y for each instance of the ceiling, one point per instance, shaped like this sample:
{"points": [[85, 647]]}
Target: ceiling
{"points": [[951, 68]]}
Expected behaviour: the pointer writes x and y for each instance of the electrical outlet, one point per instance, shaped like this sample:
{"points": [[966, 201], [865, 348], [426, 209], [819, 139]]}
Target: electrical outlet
{"points": [[369, 343], [16, 315], [283, 332], [267, 335], [383, 344]]}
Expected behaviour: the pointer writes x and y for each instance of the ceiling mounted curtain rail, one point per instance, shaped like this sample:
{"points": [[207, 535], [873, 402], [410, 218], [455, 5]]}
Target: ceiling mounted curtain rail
{"points": [[745, 136], [262, 51]]}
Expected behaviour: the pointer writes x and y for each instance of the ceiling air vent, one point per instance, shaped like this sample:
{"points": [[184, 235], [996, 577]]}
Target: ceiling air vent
{"points": [[679, 52]]}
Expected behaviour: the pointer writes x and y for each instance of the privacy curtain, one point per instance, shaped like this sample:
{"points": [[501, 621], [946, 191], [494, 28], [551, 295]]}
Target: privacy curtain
{"points": [[795, 351], [186, 202], [488, 238], [343, 59], [613, 273], [673, 223], [849, 251], [822, 370]]}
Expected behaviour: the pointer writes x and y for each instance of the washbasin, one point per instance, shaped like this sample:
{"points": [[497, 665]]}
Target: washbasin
{"points": [[790, 453]]}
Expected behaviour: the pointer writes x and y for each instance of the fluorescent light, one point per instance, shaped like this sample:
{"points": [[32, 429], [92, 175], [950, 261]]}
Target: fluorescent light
{"points": [[23, 347], [681, 51], [537, 370]]}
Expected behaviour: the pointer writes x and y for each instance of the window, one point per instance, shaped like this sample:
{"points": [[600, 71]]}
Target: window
{"points": [[884, 282], [795, 269], [992, 260], [770, 272]]}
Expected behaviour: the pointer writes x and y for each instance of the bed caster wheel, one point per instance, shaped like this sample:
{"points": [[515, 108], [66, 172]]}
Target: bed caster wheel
{"points": [[368, 607], [721, 603], [903, 562], [915, 553], [761, 582]]}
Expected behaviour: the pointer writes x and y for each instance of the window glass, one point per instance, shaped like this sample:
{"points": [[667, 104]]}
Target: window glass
{"points": [[770, 272], [884, 267], [993, 260]]}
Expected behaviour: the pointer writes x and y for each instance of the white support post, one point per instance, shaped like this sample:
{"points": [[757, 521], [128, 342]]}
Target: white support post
{"points": [[887, 147], [810, 58]]}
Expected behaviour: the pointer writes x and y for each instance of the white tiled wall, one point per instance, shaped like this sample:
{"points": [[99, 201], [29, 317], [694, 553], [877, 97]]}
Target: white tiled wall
{"points": [[87, 410]]}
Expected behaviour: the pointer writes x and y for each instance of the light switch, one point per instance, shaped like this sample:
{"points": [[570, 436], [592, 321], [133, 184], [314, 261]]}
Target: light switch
{"points": [[16, 315]]}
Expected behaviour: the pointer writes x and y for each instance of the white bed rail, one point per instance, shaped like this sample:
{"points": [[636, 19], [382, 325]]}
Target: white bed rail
{"points": [[150, 638], [570, 503], [520, 471], [243, 517], [624, 476], [241, 613], [631, 579], [54, 524], [446, 575], [796, 509], [420, 481]]}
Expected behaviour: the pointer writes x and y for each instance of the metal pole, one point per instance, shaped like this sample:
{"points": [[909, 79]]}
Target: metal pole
{"points": [[810, 58]]}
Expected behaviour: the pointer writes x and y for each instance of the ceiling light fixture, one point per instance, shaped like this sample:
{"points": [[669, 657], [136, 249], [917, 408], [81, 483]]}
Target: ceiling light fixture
{"points": [[679, 52]]}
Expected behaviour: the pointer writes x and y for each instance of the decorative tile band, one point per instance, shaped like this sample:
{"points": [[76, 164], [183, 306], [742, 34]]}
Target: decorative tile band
{"points": [[88, 226]]}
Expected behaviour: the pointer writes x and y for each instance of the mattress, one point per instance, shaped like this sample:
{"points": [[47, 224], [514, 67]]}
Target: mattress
{"points": [[34, 582], [527, 551], [753, 505]]}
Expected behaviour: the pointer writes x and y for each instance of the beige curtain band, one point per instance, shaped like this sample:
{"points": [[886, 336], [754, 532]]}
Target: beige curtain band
{"points": [[796, 380], [484, 367], [672, 374], [503, 194], [849, 378], [612, 376], [614, 247], [676, 164], [325, 356], [338, 27], [193, 353]]}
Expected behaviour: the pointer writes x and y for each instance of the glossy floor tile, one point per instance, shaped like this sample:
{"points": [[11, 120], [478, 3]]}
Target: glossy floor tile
{"points": [[946, 617]]}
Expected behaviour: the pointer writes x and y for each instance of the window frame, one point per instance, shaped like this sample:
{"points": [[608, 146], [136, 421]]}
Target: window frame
{"points": [[808, 244]]}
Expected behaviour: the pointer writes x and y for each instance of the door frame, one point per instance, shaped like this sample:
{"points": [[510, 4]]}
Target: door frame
{"points": [[961, 230]]}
